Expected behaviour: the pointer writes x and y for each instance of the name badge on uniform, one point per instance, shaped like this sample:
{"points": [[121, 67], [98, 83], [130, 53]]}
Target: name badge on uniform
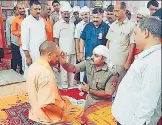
{"points": [[100, 36]]}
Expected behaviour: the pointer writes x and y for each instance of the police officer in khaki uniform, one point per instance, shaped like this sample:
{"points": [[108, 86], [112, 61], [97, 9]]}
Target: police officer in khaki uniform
{"points": [[120, 38], [55, 14], [101, 75]]}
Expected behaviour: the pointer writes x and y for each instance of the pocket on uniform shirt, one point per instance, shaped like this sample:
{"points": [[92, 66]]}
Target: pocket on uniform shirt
{"points": [[124, 38]]}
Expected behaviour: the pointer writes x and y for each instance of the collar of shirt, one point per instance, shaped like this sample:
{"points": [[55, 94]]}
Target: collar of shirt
{"points": [[63, 21], [105, 67], [124, 22], [82, 22], [107, 22], [148, 51], [56, 13], [101, 25], [35, 18], [20, 17]]}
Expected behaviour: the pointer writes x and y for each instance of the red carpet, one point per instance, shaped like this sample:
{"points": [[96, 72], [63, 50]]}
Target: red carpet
{"points": [[160, 122], [5, 62], [7, 56], [74, 93], [18, 115]]}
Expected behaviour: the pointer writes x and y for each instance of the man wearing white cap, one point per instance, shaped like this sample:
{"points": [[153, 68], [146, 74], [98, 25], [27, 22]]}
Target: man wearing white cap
{"points": [[64, 36], [100, 75], [142, 12], [85, 12], [76, 17], [55, 16]]}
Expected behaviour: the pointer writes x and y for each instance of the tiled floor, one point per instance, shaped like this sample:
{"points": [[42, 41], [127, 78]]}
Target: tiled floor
{"points": [[13, 89], [9, 77]]}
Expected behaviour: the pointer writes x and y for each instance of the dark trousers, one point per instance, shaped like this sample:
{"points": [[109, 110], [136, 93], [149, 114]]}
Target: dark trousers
{"points": [[118, 123], [85, 78], [16, 57], [78, 74]]}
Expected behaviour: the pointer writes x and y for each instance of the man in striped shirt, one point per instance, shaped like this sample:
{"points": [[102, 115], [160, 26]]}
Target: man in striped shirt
{"points": [[138, 98]]}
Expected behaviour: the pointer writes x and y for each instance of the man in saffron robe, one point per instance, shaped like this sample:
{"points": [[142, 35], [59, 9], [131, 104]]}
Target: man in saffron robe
{"points": [[47, 104]]}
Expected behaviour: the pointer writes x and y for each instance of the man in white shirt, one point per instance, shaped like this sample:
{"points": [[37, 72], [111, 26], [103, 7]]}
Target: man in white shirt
{"points": [[64, 36], [33, 34], [85, 12], [138, 98]]}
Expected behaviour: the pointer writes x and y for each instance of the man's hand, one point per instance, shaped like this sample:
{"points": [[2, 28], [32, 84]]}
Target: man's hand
{"points": [[114, 81], [81, 57], [127, 66], [63, 58], [85, 88], [70, 111], [9, 44], [28, 61], [78, 57]]}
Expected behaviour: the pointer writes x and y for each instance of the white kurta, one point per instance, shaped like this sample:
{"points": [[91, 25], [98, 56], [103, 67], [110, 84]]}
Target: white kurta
{"points": [[33, 34], [65, 33], [79, 28], [78, 31]]}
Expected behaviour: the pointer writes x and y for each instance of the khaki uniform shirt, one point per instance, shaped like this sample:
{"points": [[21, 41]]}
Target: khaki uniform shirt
{"points": [[96, 79], [54, 17], [120, 37]]}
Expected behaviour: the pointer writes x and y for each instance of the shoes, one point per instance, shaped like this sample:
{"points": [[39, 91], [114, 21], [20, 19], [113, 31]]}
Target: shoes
{"points": [[21, 72]]}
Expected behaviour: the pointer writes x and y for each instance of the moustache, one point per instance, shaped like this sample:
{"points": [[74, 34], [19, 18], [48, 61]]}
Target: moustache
{"points": [[95, 21], [109, 18], [38, 13]]}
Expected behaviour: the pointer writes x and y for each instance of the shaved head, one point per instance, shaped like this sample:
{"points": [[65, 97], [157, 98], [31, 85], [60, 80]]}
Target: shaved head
{"points": [[48, 46], [19, 4], [20, 8]]}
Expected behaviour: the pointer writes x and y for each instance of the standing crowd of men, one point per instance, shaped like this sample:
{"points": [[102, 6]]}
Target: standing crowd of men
{"points": [[99, 49]]}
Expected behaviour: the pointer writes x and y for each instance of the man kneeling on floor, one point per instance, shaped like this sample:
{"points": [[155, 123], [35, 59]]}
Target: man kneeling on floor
{"points": [[47, 104], [101, 75]]}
